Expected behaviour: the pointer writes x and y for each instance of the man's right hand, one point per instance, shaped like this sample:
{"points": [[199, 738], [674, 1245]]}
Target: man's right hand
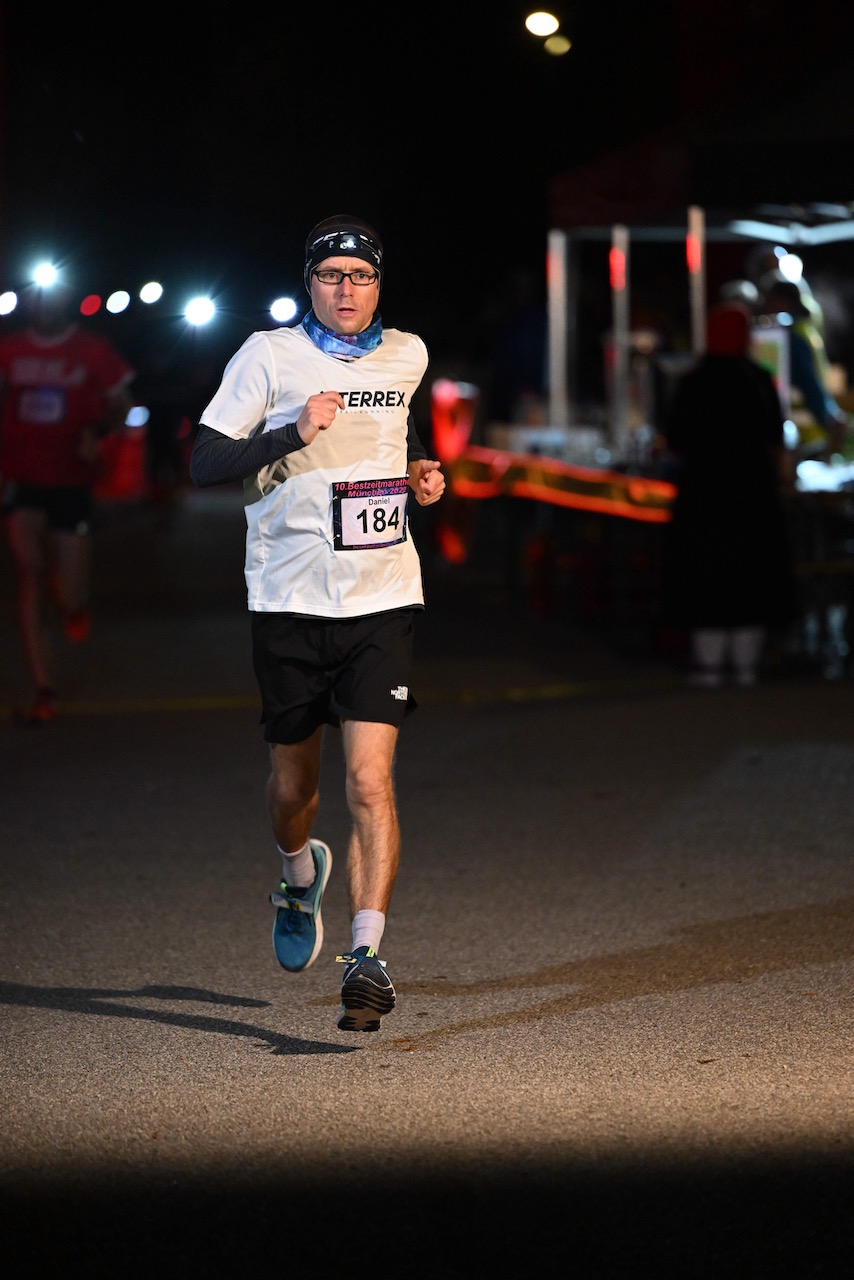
{"points": [[318, 414]]}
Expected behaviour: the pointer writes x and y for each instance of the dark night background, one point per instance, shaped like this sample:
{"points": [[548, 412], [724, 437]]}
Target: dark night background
{"points": [[199, 143]]}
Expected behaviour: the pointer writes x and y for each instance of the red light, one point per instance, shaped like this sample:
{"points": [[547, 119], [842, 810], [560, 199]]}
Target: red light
{"points": [[90, 304], [452, 544], [617, 268], [693, 253]]}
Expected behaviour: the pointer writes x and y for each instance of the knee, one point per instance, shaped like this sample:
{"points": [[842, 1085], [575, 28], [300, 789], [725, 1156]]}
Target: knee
{"points": [[292, 792], [368, 786], [288, 793]]}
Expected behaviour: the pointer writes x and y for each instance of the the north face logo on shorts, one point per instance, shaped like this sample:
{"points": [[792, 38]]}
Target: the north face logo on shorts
{"points": [[401, 693]]}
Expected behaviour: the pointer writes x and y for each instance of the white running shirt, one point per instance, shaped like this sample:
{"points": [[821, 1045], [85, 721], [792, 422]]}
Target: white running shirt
{"points": [[326, 526]]}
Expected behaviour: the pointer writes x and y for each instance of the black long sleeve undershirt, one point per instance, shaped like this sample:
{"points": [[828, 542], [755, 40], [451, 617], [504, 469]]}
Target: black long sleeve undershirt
{"points": [[217, 459]]}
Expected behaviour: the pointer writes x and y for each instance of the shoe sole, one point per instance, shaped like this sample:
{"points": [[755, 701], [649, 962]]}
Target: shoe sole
{"points": [[318, 919], [364, 1004]]}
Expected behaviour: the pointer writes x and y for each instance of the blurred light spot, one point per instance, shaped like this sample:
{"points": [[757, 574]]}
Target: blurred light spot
{"points": [[451, 544], [45, 275], [541, 24], [90, 304], [118, 301], [693, 253], [199, 311], [283, 309], [791, 267], [8, 302], [138, 416], [151, 292], [617, 269], [791, 435], [557, 45]]}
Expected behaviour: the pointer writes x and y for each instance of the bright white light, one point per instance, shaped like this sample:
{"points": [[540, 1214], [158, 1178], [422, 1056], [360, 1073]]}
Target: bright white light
{"points": [[283, 310], [542, 24], [199, 311], [8, 302], [791, 267], [791, 435], [151, 292], [813, 474], [117, 301], [45, 275], [557, 45]]}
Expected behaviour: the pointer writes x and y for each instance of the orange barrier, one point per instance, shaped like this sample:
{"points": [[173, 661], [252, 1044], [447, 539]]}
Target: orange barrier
{"points": [[479, 472], [473, 471], [122, 469]]}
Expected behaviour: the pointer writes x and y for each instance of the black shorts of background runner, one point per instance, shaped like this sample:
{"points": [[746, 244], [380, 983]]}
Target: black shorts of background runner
{"points": [[314, 671], [68, 507]]}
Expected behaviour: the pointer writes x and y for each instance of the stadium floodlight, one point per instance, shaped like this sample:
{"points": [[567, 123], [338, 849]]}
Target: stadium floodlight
{"points": [[45, 274], [283, 310], [199, 311]]}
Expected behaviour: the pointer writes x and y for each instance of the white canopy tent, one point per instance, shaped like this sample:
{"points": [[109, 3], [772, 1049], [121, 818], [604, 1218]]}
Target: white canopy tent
{"points": [[789, 227]]}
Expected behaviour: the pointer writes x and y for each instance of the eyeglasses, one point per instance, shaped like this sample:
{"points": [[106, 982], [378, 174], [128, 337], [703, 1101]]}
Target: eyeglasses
{"points": [[335, 277]]}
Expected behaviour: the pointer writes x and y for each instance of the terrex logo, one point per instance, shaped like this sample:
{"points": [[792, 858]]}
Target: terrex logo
{"points": [[373, 399]]}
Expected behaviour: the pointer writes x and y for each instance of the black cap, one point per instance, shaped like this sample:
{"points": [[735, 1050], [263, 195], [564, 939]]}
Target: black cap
{"points": [[345, 236]]}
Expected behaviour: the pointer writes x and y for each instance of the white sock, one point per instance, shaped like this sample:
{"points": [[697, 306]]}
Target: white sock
{"points": [[709, 648], [368, 929], [298, 870], [746, 646]]}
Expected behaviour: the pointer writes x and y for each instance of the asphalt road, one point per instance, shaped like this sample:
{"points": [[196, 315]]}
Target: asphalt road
{"points": [[622, 940]]}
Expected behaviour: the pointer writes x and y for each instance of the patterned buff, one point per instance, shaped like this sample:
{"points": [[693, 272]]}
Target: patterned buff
{"points": [[344, 346]]}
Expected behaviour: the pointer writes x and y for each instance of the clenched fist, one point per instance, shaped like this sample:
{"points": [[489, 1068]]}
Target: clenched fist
{"points": [[318, 414], [426, 481]]}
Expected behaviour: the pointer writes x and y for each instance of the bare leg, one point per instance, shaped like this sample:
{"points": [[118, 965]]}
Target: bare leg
{"points": [[293, 792], [373, 855], [293, 796], [73, 561], [27, 530]]}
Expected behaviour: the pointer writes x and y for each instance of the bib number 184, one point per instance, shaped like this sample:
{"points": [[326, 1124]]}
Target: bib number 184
{"points": [[367, 514]]}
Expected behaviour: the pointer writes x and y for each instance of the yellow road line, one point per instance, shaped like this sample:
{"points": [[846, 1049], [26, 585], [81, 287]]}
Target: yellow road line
{"points": [[461, 697]]}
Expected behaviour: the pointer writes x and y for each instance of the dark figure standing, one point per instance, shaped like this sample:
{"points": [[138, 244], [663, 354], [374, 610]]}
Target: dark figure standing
{"points": [[727, 570]]}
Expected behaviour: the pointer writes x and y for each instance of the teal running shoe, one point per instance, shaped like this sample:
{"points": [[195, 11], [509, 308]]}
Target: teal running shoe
{"points": [[366, 992], [298, 927]]}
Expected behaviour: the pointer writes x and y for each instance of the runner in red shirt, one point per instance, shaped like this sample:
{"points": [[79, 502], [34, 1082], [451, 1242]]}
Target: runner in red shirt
{"points": [[61, 391]]}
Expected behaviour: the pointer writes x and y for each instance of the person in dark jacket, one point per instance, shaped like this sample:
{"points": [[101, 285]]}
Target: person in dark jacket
{"points": [[728, 573]]}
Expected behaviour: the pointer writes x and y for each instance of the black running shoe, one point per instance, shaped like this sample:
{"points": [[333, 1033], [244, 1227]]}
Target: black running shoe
{"points": [[366, 992]]}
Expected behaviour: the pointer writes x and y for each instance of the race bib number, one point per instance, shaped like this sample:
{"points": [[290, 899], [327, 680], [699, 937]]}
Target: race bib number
{"points": [[41, 406], [367, 514]]}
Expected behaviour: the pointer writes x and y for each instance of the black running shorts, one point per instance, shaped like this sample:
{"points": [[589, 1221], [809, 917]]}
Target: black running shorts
{"points": [[68, 507], [314, 671]]}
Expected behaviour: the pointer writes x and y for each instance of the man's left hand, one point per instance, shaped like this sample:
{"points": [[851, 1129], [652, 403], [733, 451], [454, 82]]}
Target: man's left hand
{"points": [[426, 481]]}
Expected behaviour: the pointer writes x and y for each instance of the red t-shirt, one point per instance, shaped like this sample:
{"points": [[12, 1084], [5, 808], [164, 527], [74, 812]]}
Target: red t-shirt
{"points": [[50, 390]]}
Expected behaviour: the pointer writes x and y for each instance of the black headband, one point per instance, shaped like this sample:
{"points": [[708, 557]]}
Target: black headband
{"points": [[347, 237]]}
